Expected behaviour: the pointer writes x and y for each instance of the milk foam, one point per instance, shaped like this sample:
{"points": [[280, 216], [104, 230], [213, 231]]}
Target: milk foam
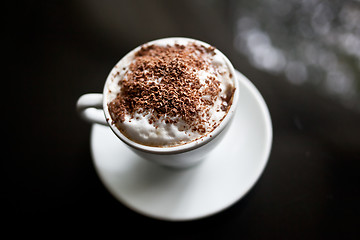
{"points": [[138, 128]]}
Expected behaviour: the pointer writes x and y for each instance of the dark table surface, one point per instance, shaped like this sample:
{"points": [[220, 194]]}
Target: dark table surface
{"points": [[56, 51]]}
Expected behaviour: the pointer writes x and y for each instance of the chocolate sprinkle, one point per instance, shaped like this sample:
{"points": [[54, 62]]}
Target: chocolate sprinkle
{"points": [[163, 81]]}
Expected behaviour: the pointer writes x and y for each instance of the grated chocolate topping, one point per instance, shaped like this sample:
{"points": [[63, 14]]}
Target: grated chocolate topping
{"points": [[163, 81]]}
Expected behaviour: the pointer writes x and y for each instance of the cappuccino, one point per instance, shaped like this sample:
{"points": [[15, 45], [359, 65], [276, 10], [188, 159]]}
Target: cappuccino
{"points": [[169, 93]]}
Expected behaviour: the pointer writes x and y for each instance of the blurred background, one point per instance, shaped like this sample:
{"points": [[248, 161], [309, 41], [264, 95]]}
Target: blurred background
{"points": [[302, 55]]}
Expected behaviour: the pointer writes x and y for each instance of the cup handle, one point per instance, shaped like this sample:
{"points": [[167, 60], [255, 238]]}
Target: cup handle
{"points": [[90, 108]]}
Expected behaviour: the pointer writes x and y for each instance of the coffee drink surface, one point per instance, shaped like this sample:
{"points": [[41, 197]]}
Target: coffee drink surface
{"points": [[170, 93]]}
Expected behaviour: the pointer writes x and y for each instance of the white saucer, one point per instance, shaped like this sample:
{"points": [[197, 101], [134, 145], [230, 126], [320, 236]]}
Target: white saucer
{"points": [[208, 188]]}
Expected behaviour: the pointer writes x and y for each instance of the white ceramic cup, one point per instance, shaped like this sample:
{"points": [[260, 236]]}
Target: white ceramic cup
{"points": [[93, 108]]}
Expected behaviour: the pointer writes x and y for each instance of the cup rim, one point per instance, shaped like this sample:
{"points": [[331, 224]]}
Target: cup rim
{"points": [[186, 146]]}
